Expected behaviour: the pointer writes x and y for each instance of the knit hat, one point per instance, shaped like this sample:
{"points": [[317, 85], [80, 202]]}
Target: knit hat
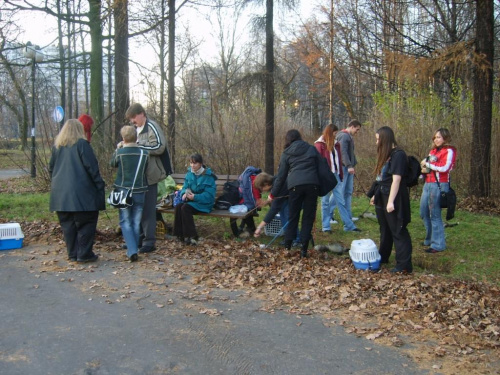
{"points": [[87, 122]]}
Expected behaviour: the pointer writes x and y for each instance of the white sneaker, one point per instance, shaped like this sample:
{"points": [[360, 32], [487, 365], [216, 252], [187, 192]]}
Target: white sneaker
{"points": [[333, 221], [355, 219]]}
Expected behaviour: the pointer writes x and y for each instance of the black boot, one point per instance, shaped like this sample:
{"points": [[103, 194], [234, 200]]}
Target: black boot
{"points": [[288, 244], [303, 251]]}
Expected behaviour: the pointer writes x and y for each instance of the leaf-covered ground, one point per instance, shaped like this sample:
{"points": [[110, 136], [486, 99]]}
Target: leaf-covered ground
{"points": [[453, 325]]}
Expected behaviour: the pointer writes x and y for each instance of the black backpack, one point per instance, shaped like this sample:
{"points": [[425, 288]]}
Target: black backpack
{"points": [[414, 171], [230, 196]]}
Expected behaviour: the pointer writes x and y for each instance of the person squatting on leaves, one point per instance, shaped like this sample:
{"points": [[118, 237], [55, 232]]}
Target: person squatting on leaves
{"points": [[436, 167], [77, 190], [298, 170], [391, 198], [149, 138], [131, 175], [198, 195], [264, 183], [330, 150]]}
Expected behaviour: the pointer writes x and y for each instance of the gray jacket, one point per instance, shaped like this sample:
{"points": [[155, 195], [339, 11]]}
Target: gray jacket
{"points": [[347, 149], [76, 184], [151, 138]]}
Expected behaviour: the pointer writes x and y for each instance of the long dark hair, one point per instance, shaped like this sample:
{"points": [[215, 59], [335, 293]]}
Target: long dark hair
{"points": [[292, 136], [386, 142]]}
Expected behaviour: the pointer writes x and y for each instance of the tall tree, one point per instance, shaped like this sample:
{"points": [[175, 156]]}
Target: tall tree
{"points": [[96, 62], [269, 149], [122, 99], [480, 167], [171, 78]]}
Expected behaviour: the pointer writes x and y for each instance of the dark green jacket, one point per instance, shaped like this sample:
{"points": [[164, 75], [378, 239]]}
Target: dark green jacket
{"points": [[76, 184], [126, 160]]}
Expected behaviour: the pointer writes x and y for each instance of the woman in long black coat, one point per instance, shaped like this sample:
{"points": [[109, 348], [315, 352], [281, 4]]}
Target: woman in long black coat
{"points": [[77, 190]]}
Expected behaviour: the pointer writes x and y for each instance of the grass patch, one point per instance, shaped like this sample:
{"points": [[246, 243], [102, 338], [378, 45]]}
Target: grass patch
{"points": [[472, 245], [14, 159]]}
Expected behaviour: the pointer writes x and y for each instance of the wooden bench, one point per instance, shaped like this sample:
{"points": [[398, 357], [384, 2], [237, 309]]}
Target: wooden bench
{"points": [[219, 183]]}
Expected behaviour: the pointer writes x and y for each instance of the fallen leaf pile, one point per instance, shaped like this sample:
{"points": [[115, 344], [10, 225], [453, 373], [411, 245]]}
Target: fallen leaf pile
{"points": [[442, 317]]}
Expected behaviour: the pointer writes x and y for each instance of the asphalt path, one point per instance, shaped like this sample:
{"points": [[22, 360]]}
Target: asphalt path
{"points": [[77, 319], [9, 173]]}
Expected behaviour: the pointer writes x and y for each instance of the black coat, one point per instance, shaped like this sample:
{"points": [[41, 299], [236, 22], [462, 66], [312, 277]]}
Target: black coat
{"points": [[298, 166], [76, 182]]}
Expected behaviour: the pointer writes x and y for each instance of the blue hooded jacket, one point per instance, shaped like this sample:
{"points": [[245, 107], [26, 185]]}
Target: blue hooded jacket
{"points": [[203, 186]]}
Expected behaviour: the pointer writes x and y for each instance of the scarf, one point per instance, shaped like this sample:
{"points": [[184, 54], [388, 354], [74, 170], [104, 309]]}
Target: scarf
{"points": [[199, 172]]}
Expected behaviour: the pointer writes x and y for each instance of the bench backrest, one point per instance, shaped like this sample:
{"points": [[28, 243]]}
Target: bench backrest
{"points": [[219, 183]]}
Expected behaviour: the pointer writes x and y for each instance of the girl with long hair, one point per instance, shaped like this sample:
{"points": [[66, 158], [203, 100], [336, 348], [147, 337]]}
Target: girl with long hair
{"points": [[392, 202], [330, 150], [436, 168]]}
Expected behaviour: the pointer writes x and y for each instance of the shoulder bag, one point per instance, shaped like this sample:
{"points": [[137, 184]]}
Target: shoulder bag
{"points": [[121, 197]]}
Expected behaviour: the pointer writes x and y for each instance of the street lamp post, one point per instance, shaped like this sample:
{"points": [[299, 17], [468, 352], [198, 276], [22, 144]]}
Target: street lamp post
{"points": [[33, 52]]}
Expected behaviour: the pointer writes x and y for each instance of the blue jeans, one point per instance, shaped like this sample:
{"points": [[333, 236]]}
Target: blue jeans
{"points": [[328, 205], [430, 212], [130, 222], [340, 197], [284, 216]]}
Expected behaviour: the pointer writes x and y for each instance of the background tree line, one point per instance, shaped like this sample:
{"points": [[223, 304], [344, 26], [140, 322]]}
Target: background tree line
{"points": [[415, 66]]}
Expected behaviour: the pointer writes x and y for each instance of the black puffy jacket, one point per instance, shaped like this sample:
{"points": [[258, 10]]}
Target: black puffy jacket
{"points": [[298, 166]]}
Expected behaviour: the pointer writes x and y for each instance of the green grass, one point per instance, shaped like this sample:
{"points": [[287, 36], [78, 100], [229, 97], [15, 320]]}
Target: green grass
{"points": [[14, 159], [473, 246]]}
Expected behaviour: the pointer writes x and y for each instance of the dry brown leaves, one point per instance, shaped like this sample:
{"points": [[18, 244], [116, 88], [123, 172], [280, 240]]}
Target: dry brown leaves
{"points": [[448, 318], [480, 205]]}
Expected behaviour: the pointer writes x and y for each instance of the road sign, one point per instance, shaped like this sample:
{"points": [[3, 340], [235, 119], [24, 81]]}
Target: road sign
{"points": [[58, 114]]}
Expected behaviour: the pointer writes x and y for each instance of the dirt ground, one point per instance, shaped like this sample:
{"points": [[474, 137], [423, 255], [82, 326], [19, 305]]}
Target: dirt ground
{"points": [[231, 307]]}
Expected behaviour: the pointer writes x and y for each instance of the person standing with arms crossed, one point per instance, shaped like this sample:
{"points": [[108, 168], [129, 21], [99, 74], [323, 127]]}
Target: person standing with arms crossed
{"points": [[150, 138], [343, 190]]}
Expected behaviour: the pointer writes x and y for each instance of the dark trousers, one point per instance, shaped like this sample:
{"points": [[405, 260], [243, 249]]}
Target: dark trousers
{"points": [[302, 197], [392, 231], [148, 221], [184, 226], [79, 230]]}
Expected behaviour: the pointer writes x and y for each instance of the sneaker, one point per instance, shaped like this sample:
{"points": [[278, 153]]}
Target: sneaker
{"points": [[191, 241], [134, 258], [296, 243], [355, 218], [333, 221], [397, 270], [327, 231], [430, 250], [354, 230], [146, 249]]}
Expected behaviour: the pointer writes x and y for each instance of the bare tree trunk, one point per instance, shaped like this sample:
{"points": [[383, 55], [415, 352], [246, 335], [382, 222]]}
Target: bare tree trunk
{"points": [[480, 171], [269, 149], [171, 79], [122, 100], [62, 61], [162, 65], [96, 85], [70, 66]]}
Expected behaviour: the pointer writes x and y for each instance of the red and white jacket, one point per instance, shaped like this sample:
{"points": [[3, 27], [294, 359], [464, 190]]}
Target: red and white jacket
{"points": [[440, 160], [334, 158]]}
